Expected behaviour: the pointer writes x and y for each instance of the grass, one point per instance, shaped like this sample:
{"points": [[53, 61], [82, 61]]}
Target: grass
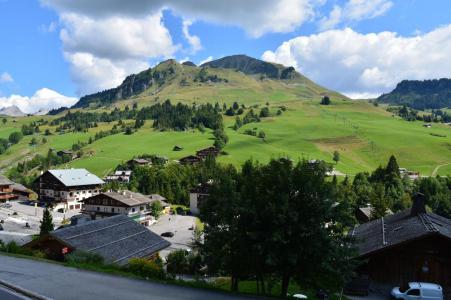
{"points": [[364, 135]]}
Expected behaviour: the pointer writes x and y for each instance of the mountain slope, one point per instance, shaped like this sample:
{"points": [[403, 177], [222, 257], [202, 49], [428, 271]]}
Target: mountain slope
{"points": [[420, 94], [12, 111], [252, 66], [228, 79]]}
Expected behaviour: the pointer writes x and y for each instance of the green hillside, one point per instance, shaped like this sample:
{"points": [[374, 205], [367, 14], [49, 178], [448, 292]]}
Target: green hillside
{"points": [[365, 135]]}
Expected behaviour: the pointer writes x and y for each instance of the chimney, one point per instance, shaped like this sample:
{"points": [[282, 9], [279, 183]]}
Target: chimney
{"points": [[418, 205]]}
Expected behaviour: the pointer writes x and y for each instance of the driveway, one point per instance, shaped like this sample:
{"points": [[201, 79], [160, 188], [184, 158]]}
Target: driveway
{"points": [[180, 226], [59, 282], [16, 217]]}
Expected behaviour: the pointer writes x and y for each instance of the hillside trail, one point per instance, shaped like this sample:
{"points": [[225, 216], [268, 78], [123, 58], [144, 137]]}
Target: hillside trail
{"points": [[434, 173]]}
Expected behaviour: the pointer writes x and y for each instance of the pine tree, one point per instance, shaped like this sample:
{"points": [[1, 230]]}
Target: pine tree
{"points": [[46, 223]]}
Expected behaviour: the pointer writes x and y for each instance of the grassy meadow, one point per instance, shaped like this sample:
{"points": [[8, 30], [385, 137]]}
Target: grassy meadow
{"points": [[364, 135]]}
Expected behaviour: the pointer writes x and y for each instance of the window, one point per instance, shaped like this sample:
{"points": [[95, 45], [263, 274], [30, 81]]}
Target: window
{"points": [[98, 208], [71, 194], [133, 209], [414, 292], [112, 209]]}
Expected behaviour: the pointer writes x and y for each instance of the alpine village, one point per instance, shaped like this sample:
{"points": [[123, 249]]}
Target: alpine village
{"points": [[234, 178]]}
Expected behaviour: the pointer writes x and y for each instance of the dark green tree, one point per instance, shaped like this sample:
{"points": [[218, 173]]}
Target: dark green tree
{"points": [[46, 223]]}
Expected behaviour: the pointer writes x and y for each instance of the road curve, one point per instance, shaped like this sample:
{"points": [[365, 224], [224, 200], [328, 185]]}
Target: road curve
{"points": [[60, 282]]}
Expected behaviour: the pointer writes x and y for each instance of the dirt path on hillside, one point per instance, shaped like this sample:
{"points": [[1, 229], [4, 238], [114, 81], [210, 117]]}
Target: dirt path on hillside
{"points": [[434, 173]]}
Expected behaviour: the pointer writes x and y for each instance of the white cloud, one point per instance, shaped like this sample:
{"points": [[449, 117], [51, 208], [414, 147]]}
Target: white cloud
{"points": [[193, 40], [43, 99], [6, 77], [373, 63], [210, 58], [102, 52], [355, 10], [257, 17]]}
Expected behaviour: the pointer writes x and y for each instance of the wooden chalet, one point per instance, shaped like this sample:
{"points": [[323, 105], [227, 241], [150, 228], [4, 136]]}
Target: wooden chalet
{"points": [[412, 245], [139, 162], [210, 151], [190, 160], [117, 239], [10, 190], [135, 205]]}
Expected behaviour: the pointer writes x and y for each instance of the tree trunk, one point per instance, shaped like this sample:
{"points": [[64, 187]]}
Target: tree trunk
{"points": [[285, 283]]}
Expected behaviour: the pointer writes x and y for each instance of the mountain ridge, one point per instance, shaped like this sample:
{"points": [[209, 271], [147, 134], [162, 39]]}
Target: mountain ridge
{"points": [[420, 94], [12, 111], [228, 73]]}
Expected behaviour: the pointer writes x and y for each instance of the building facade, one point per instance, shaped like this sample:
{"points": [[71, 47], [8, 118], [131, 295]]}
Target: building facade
{"points": [[134, 205], [197, 195], [66, 189]]}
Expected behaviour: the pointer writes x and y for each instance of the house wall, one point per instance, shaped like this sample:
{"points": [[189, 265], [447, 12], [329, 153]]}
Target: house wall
{"points": [[68, 198], [425, 260]]}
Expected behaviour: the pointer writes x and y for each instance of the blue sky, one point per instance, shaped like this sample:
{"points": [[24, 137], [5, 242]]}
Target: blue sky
{"points": [[54, 51]]}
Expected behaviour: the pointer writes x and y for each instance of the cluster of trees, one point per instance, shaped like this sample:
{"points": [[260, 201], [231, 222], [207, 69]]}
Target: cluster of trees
{"points": [[325, 100], [203, 76], [27, 171], [30, 128], [165, 115], [14, 138], [234, 109], [268, 222], [410, 114]]}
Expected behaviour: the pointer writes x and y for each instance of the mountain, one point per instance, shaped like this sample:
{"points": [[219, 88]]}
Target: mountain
{"points": [[252, 66], [427, 94], [232, 78], [12, 111]]}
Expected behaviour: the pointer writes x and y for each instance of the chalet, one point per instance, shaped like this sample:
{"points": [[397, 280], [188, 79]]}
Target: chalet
{"points": [[210, 151], [197, 195], [117, 239], [6, 190], [412, 245], [67, 153], [410, 174], [190, 160], [139, 162], [119, 176], [134, 205], [65, 189], [10, 190]]}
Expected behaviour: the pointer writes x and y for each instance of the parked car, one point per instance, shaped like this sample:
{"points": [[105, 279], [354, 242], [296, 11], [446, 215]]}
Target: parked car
{"points": [[418, 291], [167, 234]]}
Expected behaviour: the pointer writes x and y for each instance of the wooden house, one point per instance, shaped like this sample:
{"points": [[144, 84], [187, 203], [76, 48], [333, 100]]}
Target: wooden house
{"points": [[117, 239], [412, 245]]}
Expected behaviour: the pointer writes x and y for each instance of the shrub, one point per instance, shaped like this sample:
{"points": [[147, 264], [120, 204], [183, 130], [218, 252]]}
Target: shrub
{"points": [[83, 257], [146, 268], [176, 262]]}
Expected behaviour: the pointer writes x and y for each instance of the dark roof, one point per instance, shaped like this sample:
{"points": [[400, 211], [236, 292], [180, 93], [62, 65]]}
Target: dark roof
{"points": [[5, 181], [208, 151], [397, 229], [117, 239], [190, 159]]}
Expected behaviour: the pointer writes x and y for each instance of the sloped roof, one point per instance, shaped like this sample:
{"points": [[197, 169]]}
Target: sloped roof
{"points": [[5, 181], [128, 198], [76, 177], [117, 239], [399, 228]]}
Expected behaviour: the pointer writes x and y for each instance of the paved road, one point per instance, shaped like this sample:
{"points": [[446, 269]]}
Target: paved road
{"points": [[59, 282]]}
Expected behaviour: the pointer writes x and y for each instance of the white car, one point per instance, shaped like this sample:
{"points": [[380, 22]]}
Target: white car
{"points": [[418, 291]]}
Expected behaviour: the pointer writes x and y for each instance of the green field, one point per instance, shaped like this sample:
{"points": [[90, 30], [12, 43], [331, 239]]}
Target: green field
{"points": [[364, 135]]}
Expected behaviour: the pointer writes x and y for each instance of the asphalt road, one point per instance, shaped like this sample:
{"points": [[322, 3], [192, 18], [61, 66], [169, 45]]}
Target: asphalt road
{"points": [[59, 282]]}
